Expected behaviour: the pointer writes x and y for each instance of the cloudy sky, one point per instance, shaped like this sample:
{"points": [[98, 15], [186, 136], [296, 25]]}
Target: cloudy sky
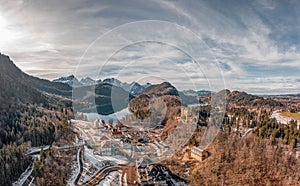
{"points": [[252, 46]]}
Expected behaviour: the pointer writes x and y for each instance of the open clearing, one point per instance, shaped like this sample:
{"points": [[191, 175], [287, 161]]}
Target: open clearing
{"points": [[295, 116]]}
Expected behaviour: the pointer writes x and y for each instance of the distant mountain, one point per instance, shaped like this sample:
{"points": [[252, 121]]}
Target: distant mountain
{"points": [[136, 88], [115, 82], [71, 80], [195, 93], [87, 81], [239, 99], [187, 96], [202, 92], [133, 88], [189, 92], [147, 85], [244, 99]]}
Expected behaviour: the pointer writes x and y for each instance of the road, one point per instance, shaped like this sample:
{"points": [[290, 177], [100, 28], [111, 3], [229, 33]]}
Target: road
{"points": [[100, 175], [248, 131], [36, 150], [80, 165], [25, 176]]}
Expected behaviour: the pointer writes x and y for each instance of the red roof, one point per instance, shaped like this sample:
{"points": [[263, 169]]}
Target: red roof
{"points": [[116, 133], [104, 138]]}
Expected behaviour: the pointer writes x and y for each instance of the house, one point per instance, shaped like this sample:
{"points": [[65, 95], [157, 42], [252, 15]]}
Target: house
{"points": [[150, 174], [199, 154], [106, 148], [103, 138], [115, 133], [99, 123], [189, 114]]}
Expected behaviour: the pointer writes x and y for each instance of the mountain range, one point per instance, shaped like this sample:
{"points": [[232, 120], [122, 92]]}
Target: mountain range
{"points": [[29, 107], [72, 81], [133, 88], [88, 90], [19, 87]]}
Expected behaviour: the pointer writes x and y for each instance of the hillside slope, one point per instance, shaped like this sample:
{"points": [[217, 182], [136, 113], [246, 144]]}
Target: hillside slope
{"points": [[164, 95], [15, 86], [19, 87]]}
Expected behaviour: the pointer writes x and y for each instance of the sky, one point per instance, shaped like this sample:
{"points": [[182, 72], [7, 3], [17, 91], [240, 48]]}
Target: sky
{"points": [[251, 46]]}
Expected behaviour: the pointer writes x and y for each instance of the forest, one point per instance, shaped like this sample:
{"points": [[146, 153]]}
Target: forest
{"points": [[28, 126]]}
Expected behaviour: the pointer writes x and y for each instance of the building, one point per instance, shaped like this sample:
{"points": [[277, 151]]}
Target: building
{"points": [[101, 138], [106, 148], [99, 123], [199, 154], [150, 174], [115, 133], [157, 175], [189, 114]]}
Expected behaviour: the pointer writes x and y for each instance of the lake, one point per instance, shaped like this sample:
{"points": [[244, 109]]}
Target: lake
{"points": [[115, 116]]}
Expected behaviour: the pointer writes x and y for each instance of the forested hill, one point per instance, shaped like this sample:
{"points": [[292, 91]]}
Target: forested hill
{"points": [[19, 87], [167, 94], [242, 98], [15, 87], [28, 117]]}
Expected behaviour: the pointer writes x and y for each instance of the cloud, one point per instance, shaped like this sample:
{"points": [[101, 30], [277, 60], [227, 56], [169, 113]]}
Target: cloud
{"points": [[248, 42]]}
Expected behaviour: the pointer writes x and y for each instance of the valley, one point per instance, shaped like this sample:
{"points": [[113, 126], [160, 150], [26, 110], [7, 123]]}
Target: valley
{"points": [[154, 134], [149, 93]]}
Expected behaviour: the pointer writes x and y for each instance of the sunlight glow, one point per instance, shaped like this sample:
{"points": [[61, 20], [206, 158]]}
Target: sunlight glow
{"points": [[5, 34], [2, 22]]}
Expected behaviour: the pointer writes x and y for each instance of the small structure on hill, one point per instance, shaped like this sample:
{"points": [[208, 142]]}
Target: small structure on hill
{"points": [[106, 148], [115, 133], [189, 114], [199, 154]]}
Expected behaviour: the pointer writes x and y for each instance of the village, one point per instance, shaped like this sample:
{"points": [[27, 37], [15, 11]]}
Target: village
{"points": [[111, 152], [118, 149]]}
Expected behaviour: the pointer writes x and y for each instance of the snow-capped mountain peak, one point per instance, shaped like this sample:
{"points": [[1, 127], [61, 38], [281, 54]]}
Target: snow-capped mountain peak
{"points": [[136, 88], [87, 81], [70, 80]]}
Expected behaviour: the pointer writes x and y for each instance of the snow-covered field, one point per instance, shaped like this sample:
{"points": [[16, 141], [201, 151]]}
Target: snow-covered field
{"points": [[279, 118]]}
